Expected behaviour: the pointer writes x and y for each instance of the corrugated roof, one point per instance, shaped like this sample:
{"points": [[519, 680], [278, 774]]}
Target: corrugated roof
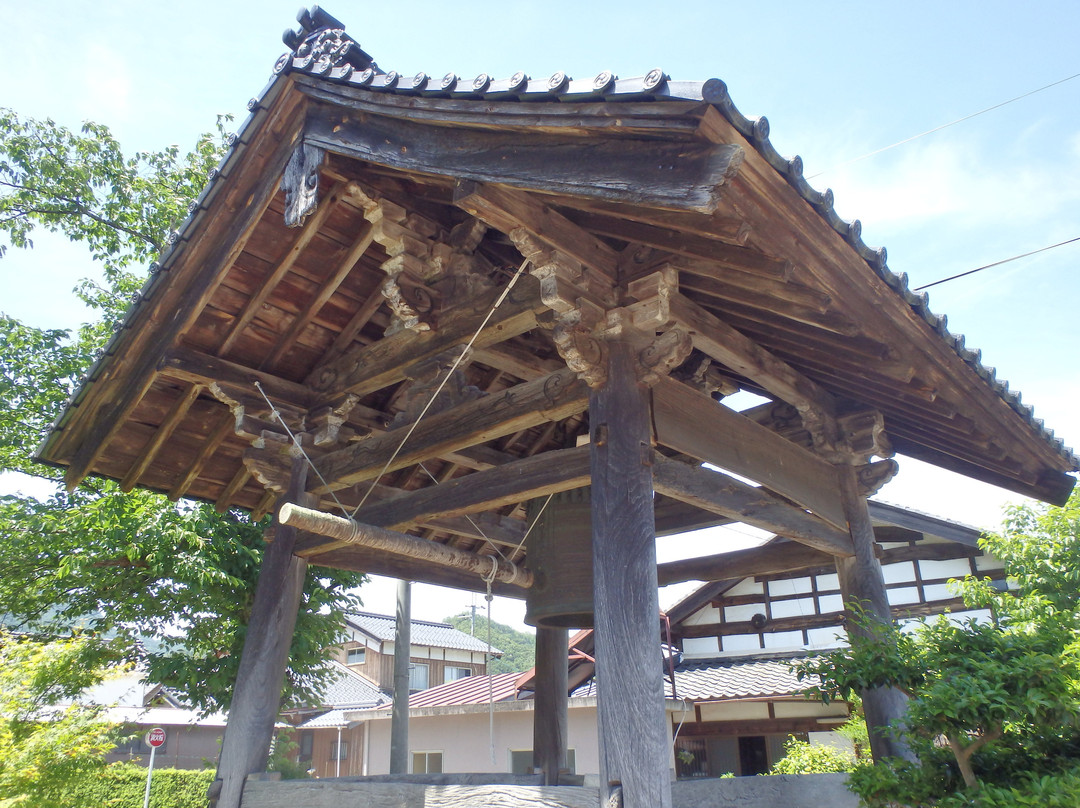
{"points": [[470, 690], [437, 635]]}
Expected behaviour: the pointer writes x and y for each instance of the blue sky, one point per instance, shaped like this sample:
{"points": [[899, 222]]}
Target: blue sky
{"points": [[836, 81]]}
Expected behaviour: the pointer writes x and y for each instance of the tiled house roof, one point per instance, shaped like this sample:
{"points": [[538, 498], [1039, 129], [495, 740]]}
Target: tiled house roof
{"points": [[437, 635]]}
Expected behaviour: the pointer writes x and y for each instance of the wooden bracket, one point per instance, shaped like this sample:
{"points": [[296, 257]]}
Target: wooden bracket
{"points": [[427, 267], [426, 378], [873, 476]]}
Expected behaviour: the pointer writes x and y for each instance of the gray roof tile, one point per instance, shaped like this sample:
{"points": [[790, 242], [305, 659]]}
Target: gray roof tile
{"points": [[437, 635]]}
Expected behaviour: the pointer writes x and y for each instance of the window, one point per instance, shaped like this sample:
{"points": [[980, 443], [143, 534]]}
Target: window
{"points": [[521, 761], [418, 676], [452, 673], [355, 656], [307, 745], [339, 751], [426, 762]]}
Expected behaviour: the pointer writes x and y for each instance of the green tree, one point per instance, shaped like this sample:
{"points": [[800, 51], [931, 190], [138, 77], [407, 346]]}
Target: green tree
{"points": [[45, 739], [518, 647], [992, 701], [174, 580]]}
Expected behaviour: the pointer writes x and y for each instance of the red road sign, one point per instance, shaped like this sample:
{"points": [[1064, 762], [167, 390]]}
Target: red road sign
{"points": [[155, 737]]}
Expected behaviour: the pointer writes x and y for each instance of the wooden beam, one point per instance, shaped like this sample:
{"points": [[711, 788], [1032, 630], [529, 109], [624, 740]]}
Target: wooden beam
{"points": [[550, 713], [507, 209], [176, 414], [187, 364], [349, 531], [536, 476], [769, 559], [365, 369], [685, 175], [692, 423], [550, 398], [715, 338], [719, 254], [717, 492], [634, 739]]}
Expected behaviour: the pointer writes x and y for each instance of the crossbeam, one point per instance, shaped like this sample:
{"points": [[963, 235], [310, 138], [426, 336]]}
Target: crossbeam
{"points": [[722, 494], [390, 541]]}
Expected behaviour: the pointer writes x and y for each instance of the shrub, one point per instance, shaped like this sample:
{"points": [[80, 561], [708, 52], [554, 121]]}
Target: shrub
{"points": [[801, 757], [122, 785]]}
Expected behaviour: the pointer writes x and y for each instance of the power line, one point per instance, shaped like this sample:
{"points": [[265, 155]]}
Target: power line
{"points": [[943, 126], [995, 264]]}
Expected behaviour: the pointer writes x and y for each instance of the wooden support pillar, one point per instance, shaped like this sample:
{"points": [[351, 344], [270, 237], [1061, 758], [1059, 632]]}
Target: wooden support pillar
{"points": [[256, 700], [399, 716], [862, 584], [550, 707], [634, 741]]}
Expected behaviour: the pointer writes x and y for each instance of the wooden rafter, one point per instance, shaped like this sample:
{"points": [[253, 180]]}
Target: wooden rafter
{"points": [[173, 418]]}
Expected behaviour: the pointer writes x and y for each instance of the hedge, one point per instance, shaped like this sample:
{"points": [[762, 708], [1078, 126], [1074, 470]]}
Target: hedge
{"points": [[123, 785]]}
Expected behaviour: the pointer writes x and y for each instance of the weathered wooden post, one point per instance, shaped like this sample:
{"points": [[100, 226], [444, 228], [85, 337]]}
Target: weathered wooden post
{"points": [[256, 701], [551, 703], [399, 717], [634, 741], [863, 586]]}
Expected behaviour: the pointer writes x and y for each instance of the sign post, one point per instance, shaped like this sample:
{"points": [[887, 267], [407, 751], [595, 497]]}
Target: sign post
{"points": [[154, 739]]}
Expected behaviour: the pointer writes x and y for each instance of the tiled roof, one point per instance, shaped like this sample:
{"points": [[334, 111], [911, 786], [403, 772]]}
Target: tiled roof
{"points": [[739, 678], [333, 718], [347, 688], [736, 678], [437, 635], [470, 690], [322, 49]]}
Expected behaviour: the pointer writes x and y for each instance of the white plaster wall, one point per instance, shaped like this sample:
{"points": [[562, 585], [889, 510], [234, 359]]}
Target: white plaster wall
{"points": [[700, 647], [465, 741]]}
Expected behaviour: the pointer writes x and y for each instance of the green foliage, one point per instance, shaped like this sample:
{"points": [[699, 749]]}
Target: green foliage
{"points": [[283, 757], [174, 582], [994, 704], [122, 785], [44, 744], [81, 184], [801, 757], [518, 647]]}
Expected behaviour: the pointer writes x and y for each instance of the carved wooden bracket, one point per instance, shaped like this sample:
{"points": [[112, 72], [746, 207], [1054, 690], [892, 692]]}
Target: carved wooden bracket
{"points": [[301, 183], [428, 268], [584, 325], [426, 379], [873, 476], [863, 434]]}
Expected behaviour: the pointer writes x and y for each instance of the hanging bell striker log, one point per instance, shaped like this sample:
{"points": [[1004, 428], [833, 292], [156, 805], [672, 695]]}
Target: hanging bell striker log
{"points": [[390, 541], [560, 559]]}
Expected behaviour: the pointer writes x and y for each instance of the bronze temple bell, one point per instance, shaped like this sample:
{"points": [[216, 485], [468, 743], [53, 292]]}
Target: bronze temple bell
{"points": [[560, 558]]}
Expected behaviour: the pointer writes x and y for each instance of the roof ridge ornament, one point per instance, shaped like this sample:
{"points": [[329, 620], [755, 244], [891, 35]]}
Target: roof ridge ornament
{"points": [[321, 44]]}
